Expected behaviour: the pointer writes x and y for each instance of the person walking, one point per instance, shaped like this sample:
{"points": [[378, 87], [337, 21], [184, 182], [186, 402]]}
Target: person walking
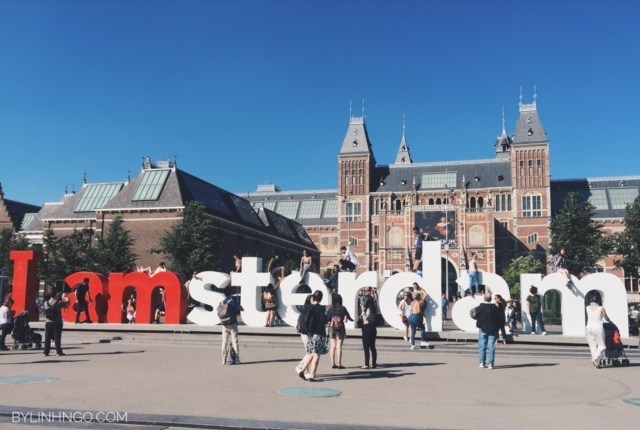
{"points": [[502, 318], [270, 300], [230, 328], [487, 321], [317, 344], [369, 331], [53, 325], [596, 315], [534, 302], [337, 315], [416, 319], [301, 368], [81, 301], [404, 307]]}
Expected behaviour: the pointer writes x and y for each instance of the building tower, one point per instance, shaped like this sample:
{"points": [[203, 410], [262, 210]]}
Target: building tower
{"points": [[356, 165], [531, 175]]}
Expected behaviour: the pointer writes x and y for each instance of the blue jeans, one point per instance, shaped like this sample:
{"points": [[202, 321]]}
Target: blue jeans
{"points": [[414, 322], [485, 342], [536, 317], [474, 281]]}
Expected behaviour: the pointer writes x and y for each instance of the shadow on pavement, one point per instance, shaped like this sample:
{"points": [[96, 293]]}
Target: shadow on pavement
{"points": [[516, 366], [366, 374]]}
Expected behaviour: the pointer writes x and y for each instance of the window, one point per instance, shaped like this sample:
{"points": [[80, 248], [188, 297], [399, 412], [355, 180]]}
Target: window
{"points": [[539, 167], [331, 209], [288, 209], [439, 180], [376, 230], [530, 167], [532, 238], [522, 168], [376, 247], [508, 202], [353, 211], [531, 206], [353, 242], [96, 196], [621, 197], [498, 204], [310, 209], [151, 185]]}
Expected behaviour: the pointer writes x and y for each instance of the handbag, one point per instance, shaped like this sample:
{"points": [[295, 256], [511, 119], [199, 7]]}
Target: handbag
{"points": [[359, 322], [405, 320]]}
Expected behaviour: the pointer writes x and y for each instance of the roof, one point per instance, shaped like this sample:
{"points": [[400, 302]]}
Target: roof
{"points": [[309, 208], [477, 174], [609, 196], [529, 129], [18, 210], [356, 141]]}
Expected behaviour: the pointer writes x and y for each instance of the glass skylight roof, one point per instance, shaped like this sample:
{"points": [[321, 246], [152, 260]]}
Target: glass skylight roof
{"points": [[282, 227], [151, 185], [598, 199], [310, 209], [330, 209], [439, 180], [246, 211], [26, 221], [288, 208], [96, 196], [621, 197]]}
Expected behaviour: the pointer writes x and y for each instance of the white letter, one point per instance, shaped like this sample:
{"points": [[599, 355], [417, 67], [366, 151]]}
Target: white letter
{"points": [[200, 290], [251, 280]]}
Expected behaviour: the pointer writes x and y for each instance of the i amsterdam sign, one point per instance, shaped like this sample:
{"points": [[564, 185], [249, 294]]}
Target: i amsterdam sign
{"points": [[111, 292]]}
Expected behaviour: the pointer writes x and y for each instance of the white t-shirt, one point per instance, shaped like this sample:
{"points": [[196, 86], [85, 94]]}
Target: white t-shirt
{"points": [[4, 315]]}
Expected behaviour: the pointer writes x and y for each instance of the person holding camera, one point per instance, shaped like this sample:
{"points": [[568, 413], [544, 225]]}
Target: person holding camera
{"points": [[53, 325]]}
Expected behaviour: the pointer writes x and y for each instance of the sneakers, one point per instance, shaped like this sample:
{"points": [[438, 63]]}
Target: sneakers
{"points": [[413, 347], [424, 344], [532, 333], [544, 333], [405, 338], [481, 366], [490, 366]]}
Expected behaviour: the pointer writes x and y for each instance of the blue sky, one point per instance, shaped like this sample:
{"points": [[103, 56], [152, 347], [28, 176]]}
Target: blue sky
{"points": [[247, 92]]}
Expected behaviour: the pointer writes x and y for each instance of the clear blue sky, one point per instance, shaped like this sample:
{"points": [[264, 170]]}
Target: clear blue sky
{"points": [[247, 92]]}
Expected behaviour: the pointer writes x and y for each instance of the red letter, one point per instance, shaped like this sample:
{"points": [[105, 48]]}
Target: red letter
{"points": [[175, 296], [98, 288], [25, 281]]}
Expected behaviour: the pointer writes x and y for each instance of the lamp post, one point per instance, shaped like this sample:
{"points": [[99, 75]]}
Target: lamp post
{"points": [[446, 242]]}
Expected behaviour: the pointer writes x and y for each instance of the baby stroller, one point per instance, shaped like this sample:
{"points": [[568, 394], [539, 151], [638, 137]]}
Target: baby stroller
{"points": [[615, 348], [23, 335]]}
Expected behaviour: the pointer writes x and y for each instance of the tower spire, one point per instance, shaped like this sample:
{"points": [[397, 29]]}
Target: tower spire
{"points": [[404, 155]]}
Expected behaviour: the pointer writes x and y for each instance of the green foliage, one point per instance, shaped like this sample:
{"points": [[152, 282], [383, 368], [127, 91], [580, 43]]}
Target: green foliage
{"points": [[65, 255], [627, 243], [192, 244], [114, 252], [9, 241], [526, 264], [574, 229]]}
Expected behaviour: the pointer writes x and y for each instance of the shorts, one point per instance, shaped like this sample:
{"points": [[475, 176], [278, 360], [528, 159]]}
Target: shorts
{"points": [[338, 335]]}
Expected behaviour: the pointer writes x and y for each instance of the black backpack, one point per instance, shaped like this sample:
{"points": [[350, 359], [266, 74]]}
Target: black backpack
{"points": [[301, 326]]}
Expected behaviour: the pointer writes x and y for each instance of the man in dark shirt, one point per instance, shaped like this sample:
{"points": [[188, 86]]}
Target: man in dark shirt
{"points": [[81, 301], [487, 321]]}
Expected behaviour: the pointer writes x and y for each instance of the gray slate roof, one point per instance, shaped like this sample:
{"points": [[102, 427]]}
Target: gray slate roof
{"points": [[17, 211], [609, 195]]}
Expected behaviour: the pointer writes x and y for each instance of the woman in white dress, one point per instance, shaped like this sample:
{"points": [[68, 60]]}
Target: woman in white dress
{"points": [[596, 315]]}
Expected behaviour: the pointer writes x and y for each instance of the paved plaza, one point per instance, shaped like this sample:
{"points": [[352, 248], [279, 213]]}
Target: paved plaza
{"points": [[160, 380]]}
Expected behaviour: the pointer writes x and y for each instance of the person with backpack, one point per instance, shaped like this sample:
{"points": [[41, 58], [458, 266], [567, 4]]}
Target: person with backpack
{"points": [[336, 315], [301, 327], [53, 325], [368, 312], [228, 311], [317, 344]]}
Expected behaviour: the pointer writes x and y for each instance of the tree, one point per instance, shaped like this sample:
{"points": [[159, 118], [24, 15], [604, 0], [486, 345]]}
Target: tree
{"points": [[525, 264], [114, 252], [10, 241], [65, 255], [192, 244], [627, 243], [575, 230]]}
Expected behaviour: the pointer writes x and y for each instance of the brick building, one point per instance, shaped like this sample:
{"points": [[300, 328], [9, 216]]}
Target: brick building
{"points": [[154, 201], [500, 208]]}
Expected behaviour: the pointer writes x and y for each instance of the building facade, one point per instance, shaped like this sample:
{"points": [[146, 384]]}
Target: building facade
{"points": [[500, 208]]}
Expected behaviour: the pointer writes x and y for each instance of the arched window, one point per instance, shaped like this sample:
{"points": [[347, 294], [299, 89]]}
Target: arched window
{"points": [[438, 201], [498, 204], [431, 202], [472, 203], [509, 202], [480, 202]]}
